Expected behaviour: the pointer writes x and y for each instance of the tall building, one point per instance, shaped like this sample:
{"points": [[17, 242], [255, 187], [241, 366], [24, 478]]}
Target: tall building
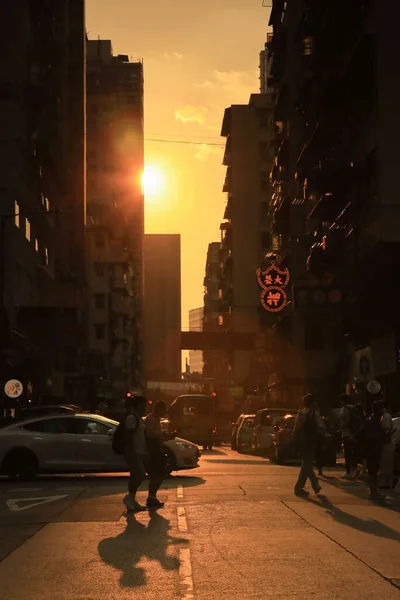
{"points": [[42, 172], [246, 230], [115, 207], [266, 80], [336, 191], [196, 317], [162, 307]]}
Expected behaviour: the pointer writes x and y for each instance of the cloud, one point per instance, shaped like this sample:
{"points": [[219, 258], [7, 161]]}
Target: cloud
{"points": [[173, 56], [206, 85], [204, 151], [192, 114]]}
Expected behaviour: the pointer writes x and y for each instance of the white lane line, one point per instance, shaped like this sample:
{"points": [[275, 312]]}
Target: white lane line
{"points": [[14, 504], [24, 490], [182, 523], [185, 575], [179, 492], [69, 489]]}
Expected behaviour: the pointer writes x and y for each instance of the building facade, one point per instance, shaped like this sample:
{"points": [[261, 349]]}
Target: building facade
{"points": [[115, 162], [196, 318], [337, 207], [162, 307], [43, 203], [246, 230]]}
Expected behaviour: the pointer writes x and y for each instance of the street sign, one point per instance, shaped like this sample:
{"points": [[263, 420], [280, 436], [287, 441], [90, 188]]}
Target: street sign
{"points": [[374, 387], [13, 388]]}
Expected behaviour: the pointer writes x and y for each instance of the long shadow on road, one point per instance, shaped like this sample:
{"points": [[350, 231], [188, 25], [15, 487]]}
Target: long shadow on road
{"points": [[126, 550], [370, 526]]}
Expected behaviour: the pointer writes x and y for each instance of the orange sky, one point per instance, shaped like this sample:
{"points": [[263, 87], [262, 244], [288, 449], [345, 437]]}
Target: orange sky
{"points": [[198, 59]]}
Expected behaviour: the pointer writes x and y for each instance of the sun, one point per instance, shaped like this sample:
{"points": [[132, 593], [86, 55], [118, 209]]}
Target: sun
{"points": [[152, 181]]}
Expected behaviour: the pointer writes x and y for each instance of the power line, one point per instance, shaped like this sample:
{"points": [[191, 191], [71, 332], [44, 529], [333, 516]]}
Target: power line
{"points": [[185, 142]]}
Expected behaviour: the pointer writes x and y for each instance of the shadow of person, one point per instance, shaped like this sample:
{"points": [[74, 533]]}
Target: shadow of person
{"points": [[125, 551], [370, 526]]}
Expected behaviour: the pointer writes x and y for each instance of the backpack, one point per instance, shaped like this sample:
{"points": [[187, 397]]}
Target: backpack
{"points": [[356, 420], [119, 438]]}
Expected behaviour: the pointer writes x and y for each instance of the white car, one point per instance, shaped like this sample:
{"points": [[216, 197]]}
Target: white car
{"points": [[75, 444]]}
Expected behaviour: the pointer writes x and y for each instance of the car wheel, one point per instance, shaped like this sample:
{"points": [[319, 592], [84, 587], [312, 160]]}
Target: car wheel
{"points": [[170, 462], [210, 446], [23, 463]]}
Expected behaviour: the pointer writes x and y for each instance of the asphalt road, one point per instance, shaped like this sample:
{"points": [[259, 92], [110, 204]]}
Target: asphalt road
{"points": [[230, 530]]}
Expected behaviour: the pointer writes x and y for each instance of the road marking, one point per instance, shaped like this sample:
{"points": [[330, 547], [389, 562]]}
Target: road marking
{"points": [[13, 504], [179, 492], [185, 575], [69, 489], [182, 523], [23, 490]]}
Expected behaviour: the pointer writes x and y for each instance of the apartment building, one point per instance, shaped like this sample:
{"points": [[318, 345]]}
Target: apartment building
{"points": [[196, 319], [42, 172], [162, 307], [115, 207], [336, 202]]}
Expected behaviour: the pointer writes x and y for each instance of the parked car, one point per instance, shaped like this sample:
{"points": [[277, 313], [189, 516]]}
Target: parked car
{"points": [[264, 428], [33, 412], [235, 427], [74, 444], [285, 447], [245, 433]]}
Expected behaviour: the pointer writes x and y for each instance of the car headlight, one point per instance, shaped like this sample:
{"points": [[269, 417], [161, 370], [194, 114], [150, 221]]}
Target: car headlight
{"points": [[184, 445]]}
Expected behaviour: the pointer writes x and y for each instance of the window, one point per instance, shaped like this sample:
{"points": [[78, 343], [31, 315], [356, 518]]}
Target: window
{"points": [[100, 301], [37, 245], [220, 320], [90, 427], [16, 214], [100, 331], [28, 230], [46, 256], [54, 425], [99, 269], [99, 240]]}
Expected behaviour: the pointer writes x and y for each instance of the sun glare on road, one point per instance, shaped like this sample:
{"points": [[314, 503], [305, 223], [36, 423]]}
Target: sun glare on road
{"points": [[152, 181]]}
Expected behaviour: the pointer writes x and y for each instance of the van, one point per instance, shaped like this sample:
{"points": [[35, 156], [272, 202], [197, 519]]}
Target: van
{"points": [[193, 417], [264, 428]]}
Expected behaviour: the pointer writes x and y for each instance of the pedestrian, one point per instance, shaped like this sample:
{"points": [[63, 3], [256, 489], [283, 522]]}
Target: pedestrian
{"points": [[321, 449], [156, 455], [350, 424], [386, 468], [371, 439], [308, 431], [135, 449], [363, 417]]}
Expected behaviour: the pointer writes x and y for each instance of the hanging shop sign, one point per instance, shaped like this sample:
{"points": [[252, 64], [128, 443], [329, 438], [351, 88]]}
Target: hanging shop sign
{"points": [[273, 282], [13, 388]]}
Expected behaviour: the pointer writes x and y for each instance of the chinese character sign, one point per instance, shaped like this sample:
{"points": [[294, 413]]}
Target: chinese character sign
{"points": [[273, 281]]}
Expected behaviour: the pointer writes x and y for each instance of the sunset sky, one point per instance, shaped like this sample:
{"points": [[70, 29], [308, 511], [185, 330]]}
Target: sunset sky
{"points": [[199, 58]]}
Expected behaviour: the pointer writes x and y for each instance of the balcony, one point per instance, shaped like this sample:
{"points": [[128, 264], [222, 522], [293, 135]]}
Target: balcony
{"points": [[228, 209], [120, 304], [329, 207], [227, 186], [119, 282], [228, 152]]}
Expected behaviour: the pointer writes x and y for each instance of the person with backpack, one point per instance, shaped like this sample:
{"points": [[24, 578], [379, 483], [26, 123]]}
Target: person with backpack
{"points": [[129, 440], [350, 424], [386, 469], [156, 454], [308, 432], [371, 440]]}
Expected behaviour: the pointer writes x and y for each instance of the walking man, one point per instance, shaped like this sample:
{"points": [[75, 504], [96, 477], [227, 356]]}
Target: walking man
{"points": [[156, 455], [135, 449], [372, 439], [308, 431], [350, 424]]}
